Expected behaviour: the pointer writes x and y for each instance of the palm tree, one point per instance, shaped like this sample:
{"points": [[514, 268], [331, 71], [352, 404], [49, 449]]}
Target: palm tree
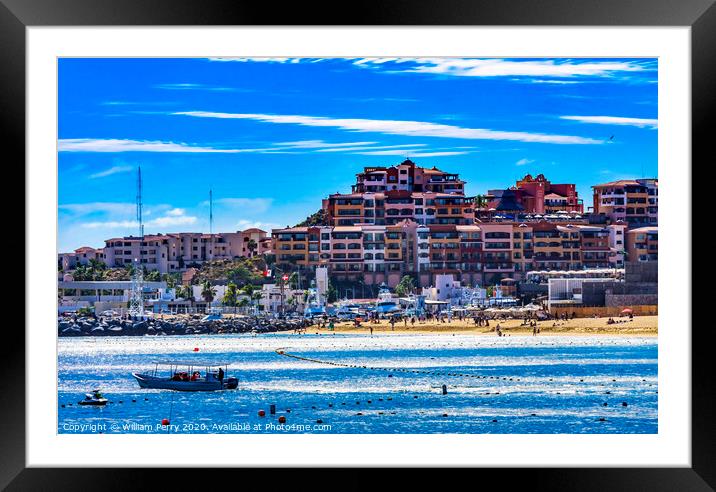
{"points": [[480, 201], [293, 280], [96, 269], [230, 295], [208, 292], [251, 246], [405, 286]]}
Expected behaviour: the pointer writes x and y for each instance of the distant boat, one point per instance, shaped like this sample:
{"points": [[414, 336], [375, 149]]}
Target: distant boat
{"points": [[213, 377], [94, 399]]}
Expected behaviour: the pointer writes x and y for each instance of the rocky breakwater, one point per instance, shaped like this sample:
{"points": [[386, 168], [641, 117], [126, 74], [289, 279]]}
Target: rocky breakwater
{"points": [[186, 325]]}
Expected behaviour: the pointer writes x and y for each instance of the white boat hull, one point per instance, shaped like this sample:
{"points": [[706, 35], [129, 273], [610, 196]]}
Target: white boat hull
{"points": [[153, 382]]}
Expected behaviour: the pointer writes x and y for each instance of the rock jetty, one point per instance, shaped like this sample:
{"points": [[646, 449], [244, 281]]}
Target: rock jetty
{"points": [[187, 325]]}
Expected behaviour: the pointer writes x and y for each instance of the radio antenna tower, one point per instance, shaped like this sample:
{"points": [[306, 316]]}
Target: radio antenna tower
{"points": [[211, 223], [136, 298]]}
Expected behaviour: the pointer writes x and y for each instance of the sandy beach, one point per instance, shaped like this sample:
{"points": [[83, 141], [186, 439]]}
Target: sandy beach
{"points": [[637, 326]]}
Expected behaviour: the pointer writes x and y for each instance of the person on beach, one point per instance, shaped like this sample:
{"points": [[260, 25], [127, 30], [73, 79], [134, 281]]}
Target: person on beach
{"points": [[371, 330], [392, 324]]}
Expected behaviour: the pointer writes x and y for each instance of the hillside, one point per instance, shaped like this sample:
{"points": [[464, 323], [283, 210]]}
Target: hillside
{"points": [[319, 218]]}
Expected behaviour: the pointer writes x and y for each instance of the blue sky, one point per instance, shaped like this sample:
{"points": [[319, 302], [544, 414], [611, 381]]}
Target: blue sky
{"points": [[272, 136]]}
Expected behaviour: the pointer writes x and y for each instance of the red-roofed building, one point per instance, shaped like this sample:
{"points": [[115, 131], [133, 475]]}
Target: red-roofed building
{"points": [[538, 195], [389, 195]]}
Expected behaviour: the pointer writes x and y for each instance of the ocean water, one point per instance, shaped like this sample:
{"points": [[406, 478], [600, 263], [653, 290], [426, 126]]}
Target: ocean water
{"points": [[517, 384]]}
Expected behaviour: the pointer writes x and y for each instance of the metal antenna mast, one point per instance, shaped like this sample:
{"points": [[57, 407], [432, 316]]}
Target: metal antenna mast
{"points": [[139, 202], [136, 298], [211, 223]]}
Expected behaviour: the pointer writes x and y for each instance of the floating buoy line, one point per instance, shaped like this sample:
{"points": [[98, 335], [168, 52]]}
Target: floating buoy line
{"points": [[282, 351]]}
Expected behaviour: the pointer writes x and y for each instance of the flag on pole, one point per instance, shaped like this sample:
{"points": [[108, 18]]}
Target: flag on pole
{"points": [[267, 273], [285, 277]]}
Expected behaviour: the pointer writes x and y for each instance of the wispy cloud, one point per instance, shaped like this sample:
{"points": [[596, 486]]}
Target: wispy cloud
{"points": [[244, 224], [172, 217], [372, 147], [199, 87], [553, 81], [245, 205], [524, 162], [478, 67], [119, 145], [112, 170], [270, 59], [320, 144], [615, 120], [97, 207], [411, 153], [397, 127]]}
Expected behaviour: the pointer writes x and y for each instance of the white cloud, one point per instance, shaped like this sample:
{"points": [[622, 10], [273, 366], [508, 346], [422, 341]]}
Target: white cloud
{"points": [[411, 153], [316, 144], [173, 217], [98, 207], [112, 170], [523, 162], [202, 87], [246, 205], [118, 145], [615, 120], [397, 127], [553, 81], [373, 147], [272, 59], [497, 67], [244, 224]]}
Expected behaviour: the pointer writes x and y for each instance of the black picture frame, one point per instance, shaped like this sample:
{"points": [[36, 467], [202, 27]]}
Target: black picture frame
{"points": [[16, 15]]}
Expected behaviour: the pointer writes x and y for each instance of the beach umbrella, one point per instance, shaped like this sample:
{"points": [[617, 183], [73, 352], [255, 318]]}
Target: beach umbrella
{"points": [[627, 311]]}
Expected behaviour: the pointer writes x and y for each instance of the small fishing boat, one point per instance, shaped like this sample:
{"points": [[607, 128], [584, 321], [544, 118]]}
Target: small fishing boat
{"points": [[94, 399], [188, 376]]}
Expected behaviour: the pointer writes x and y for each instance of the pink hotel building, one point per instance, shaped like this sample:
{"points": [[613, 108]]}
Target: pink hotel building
{"points": [[170, 252]]}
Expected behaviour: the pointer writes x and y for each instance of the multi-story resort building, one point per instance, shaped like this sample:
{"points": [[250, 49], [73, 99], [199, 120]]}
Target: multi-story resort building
{"points": [[175, 252], [642, 244], [633, 201], [475, 254], [408, 220], [536, 196], [389, 195]]}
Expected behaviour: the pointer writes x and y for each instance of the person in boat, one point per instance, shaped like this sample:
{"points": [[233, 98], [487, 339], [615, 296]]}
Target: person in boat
{"points": [[221, 375], [195, 376]]}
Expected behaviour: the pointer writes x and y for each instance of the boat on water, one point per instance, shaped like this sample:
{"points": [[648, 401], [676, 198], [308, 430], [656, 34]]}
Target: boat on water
{"points": [[386, 303], [93, 399], [198, 376]]}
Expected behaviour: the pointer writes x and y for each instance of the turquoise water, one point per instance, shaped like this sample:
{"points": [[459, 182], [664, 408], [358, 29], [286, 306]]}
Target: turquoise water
{"points": [[494, 385]]}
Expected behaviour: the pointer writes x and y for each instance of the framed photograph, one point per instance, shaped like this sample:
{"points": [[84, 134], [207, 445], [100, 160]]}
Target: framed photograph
{"points": [[424, 237]]}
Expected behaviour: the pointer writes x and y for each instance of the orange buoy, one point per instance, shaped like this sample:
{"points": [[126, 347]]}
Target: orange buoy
{"points": [[165, 421], [262, 413], [282, 420]]}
